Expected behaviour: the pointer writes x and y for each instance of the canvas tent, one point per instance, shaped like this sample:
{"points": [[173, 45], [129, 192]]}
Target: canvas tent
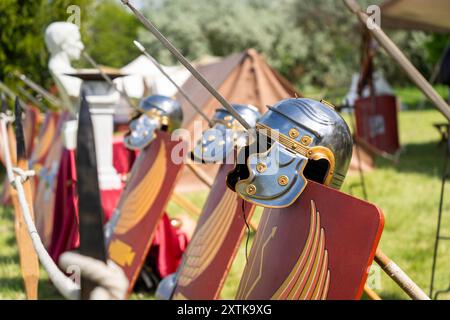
{"points": [[426, 15], [241, 78]]}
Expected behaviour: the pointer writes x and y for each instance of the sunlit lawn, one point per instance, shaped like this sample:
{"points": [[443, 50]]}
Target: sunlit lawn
{"points": [[408, 194]]}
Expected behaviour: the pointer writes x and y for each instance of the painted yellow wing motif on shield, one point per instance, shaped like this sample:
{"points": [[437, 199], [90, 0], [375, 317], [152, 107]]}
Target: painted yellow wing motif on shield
{"points": [[45, 141], [141, 199], [208, 239], [310, 277]]}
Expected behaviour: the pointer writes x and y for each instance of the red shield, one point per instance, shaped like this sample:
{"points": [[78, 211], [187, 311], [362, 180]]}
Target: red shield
{"points": [[321, 247], [215, 242], [44, 202], [45, 138], [31, 127], [142, 205]]}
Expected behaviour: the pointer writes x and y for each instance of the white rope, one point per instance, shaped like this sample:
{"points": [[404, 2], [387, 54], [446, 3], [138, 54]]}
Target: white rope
{"points": [[64, 284], [111, 282], [4, 131], [17, 177], [23, 174]]}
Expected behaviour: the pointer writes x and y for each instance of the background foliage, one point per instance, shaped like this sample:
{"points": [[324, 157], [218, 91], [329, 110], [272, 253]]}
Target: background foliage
{"points": [[109, 32], [313, 43], [22, 26], [310, 42]]}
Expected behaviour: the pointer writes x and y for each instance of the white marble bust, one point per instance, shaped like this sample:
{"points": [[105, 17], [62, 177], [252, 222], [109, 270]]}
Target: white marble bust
{"points": [[63, 41]]}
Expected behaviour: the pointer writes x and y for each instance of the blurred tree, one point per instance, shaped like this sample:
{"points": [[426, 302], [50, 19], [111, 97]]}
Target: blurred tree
{"points": [[310, 42], [110, 33], [313, 42], [22, 25], [217, 27], [436, 45]]}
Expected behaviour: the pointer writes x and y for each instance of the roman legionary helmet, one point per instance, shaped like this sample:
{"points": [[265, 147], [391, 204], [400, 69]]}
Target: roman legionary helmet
{"points": [[297, 139], [154, 113], [226, 133]]}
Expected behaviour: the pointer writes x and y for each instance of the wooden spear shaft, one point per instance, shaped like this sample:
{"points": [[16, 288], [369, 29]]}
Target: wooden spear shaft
{"points": [[29, 264], [400, 58], [28, 258], [370, 293], [399, 276]]}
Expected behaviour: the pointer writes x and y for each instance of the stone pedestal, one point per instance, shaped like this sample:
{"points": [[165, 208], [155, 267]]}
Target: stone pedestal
{"points": [[103, 100]]}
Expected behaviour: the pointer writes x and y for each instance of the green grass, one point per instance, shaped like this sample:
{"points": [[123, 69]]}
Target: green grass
{"points": [[11, 284], [407, 193], [414, 99]]}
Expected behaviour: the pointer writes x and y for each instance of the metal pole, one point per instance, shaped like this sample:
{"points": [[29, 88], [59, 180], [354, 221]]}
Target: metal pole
{"points": [[47, 95], [438, 228], [108, 79], [30, 98]]}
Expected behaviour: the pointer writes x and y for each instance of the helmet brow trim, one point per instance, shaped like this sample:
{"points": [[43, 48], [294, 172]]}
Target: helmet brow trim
{"points": [[313, 153]]}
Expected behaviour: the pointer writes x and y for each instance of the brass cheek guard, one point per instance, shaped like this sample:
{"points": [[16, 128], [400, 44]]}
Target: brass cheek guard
{"points": [[157, 114], [312, 153]]}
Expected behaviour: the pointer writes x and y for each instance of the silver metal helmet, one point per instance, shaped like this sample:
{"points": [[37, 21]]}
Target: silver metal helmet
{"points": [[166, 287], [155, 113], [297, 139], [220, 140]]}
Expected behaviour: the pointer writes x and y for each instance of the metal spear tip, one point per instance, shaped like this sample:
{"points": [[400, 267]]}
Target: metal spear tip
{"points": [[139, 46], [4, 104], [17, 108], [84, 106], [20, 139]]}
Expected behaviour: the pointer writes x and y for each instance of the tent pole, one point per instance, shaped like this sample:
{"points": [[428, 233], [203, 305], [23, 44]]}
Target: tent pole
{"points": [[401, 59], [372, 295]]}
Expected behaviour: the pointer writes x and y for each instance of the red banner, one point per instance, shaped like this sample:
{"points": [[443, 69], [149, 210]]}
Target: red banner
{"points": [[376, 122]]}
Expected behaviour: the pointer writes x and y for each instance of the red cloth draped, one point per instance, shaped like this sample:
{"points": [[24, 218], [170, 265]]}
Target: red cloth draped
{"points": [[123, 158], [65, 234], [169, 243], [167, 247]]}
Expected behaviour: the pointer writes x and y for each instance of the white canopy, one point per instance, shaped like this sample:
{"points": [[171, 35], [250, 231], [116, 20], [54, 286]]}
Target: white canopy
{"points": [[145, 78], [144, 74]]}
